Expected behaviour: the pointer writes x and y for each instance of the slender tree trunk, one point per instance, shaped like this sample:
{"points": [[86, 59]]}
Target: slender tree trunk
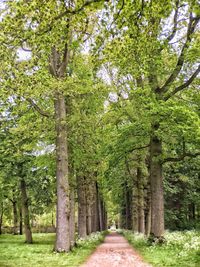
{"points": [[62, 215], [1, 217], [15, 217], [141, 223], [100, 212], [156, 181], [89, 207], [72, 218], [82, 212], [135, 222], [148, 211], [25, 210], [97, 209], [94, 208], [191, 212], [20, 221], [128, 198]]}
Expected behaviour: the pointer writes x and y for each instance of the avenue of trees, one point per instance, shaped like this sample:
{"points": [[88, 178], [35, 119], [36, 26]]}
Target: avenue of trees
{"points": [[100, 117]]}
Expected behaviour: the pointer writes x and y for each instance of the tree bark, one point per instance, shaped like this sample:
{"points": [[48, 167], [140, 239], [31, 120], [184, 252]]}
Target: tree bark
{"points": [[148, 211], [128, 198], [97, 209], [62, 215], [72, 218], [140, 183], [25, 210], [94, 208], [1, 218], [82, 212], [20, 221], [135, 222], [156, 181], [15, 217], [89, 201], [100, 212]]}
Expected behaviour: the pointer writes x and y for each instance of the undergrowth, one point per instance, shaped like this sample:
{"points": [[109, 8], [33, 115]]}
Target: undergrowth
{"points": [[180, 248]]}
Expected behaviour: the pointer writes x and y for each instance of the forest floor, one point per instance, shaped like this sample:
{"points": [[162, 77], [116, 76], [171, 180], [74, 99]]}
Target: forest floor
{"points": [[115, 252]]}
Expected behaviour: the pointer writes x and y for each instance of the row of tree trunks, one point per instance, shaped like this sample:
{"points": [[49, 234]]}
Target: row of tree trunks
{"points": [[92, 214], [136, 210]]}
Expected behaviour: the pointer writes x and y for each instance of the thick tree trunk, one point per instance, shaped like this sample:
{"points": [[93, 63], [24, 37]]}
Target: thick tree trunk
{"points": [[15, 217], [62, 214], [82, 211], [25, 210], [156, 181], [72, 218]]}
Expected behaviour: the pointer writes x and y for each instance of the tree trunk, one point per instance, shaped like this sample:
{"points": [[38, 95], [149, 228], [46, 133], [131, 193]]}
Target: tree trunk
{"points": [[156, 181], [128, 198], [62, 213], [97, 209], [191, 212], [82, 212], [25, 210], [94, 208], [89, 201], [148, 211], [15, 218], [141, 223], [100, 212], [135, 222], [20, 221], [72, 218], [1, 218]]}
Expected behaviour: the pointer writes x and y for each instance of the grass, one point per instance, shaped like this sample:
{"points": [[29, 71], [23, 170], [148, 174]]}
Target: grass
{"points": [[181, 249], [15, 253]]}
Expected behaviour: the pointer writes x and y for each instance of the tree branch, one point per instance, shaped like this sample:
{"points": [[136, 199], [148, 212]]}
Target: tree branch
{"points": [[184, 85], [181, 157], [37, 108], [171, 36], [191, 28], [185, 154]]}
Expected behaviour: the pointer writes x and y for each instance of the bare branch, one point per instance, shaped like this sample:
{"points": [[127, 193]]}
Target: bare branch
{"points": [[184, 85], [37, 108], [171, 36]]}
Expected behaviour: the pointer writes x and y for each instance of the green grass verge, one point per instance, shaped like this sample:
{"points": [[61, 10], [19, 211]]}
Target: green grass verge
{"points": [[181, 249], [14, 252]]}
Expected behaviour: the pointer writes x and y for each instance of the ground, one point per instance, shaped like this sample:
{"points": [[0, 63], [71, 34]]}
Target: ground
{"points": [[115, 252]]}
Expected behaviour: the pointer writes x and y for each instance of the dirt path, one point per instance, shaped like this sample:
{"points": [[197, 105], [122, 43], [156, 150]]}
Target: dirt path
{"points": [[115, 252]]}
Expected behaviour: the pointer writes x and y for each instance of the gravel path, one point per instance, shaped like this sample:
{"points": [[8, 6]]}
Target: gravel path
{"points": [[115, 252]]}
